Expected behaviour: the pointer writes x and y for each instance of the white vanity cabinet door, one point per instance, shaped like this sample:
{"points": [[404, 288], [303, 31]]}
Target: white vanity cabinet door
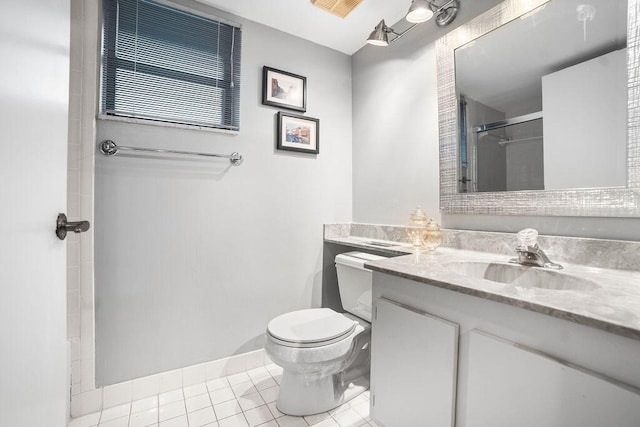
{"points": [[510, 385], [413, 367]]}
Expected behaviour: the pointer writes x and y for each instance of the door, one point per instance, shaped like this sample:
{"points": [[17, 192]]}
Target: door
{"points": [[413, 367], [34, 81], [512, 385]]}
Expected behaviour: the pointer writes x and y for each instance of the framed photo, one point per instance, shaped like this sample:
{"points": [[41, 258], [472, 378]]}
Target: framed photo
{"points": [[298, 133], [284, 90]]}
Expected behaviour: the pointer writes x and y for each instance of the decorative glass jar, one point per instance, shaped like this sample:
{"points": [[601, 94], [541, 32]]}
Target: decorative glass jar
{"points": [[416, 228], [432, 236]]}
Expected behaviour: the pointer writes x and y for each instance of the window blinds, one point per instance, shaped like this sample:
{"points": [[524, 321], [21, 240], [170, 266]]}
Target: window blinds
{"points": [[164, 64]]}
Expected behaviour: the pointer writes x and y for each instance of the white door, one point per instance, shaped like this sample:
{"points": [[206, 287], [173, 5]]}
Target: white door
{"points": [[413, 367], [34, 82], [511, 385]]}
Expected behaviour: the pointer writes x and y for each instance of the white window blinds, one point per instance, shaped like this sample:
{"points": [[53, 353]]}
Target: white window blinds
{"points": [[161, 63]]}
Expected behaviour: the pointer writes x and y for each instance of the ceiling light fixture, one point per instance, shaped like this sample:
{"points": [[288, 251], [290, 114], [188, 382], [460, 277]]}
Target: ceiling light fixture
{"points": [[419, 11], [379, 37]]}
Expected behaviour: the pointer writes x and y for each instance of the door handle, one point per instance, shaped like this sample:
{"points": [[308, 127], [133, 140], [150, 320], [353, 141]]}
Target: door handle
{"points": [[63, 226]]}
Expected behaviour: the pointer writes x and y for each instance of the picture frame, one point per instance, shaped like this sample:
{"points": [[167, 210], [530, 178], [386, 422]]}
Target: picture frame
{"points": [[283, 89], [298, 133]]}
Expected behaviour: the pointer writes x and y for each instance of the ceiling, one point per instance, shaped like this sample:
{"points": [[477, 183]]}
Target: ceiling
{"points": [[301, 18]]}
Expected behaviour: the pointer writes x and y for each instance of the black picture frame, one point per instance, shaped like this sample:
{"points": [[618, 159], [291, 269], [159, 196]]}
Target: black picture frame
{"points": [[283, 89], [298, 133]]}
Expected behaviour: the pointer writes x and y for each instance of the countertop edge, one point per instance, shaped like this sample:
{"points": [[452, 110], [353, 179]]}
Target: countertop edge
{"points": [[397, 250]]}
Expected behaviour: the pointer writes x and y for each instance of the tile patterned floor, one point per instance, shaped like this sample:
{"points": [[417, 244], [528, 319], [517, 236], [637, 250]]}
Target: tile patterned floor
{"points": [[246, 399]]}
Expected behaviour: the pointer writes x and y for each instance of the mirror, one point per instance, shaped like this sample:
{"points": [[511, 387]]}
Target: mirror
{"points": [[543, 100], [537, 110]]}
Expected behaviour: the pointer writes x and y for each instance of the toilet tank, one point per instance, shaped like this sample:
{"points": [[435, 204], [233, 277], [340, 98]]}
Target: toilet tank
{"points": [[355, 282]]}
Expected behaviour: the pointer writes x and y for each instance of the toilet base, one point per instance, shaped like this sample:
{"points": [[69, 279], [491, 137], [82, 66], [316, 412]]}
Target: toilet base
{"points": [[300, 396], [316, 380]]}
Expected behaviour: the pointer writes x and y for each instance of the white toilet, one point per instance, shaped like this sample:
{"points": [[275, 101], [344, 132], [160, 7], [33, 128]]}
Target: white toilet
{"points": [[325, 355]]}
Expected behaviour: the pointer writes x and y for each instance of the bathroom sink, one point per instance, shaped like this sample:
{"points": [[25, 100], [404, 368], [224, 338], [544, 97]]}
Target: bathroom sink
{"points": [[521, 276]]}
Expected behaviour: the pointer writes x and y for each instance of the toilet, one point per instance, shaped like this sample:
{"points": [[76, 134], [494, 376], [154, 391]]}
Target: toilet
{"points": [[325, 355]]}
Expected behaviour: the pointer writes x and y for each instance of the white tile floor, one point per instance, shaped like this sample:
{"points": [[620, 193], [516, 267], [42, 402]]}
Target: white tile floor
{"points": [[246, 399]]}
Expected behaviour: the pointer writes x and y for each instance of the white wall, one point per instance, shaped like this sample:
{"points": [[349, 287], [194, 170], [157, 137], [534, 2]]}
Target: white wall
{"points": [[525, 168], [192, 260], [395, 132], [395, 123], [525, 164], [80, 192], [395, 148]]}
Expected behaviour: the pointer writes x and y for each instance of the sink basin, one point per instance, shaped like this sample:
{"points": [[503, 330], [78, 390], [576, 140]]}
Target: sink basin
{"points": [[521, 276]]}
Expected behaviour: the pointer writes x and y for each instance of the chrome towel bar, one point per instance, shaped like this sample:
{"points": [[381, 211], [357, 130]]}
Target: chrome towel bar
{"points": [[110, 148]]}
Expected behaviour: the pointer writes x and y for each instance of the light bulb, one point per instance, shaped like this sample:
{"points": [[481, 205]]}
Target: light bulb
{"points": [[419, 11]]}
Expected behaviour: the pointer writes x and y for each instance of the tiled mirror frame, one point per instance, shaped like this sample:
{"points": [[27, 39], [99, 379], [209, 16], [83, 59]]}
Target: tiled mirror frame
{"points": [[596, 202]]}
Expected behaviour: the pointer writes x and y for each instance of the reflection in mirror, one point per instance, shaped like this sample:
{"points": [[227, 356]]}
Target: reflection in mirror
{"points": [[542, 100]]}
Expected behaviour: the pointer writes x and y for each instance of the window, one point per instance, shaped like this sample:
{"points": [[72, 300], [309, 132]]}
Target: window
{"points": [[164, 64]]}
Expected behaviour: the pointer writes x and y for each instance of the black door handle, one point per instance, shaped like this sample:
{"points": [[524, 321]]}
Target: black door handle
{"points": [[63, 226]]}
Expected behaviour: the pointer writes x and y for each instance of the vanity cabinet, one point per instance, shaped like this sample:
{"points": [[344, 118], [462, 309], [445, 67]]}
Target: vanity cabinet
{"points": [[497, 364], [413, 367], [510, 385]]}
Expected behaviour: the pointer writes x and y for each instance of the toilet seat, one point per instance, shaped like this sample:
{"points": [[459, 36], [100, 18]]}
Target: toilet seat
{"points": [[313, 327]]}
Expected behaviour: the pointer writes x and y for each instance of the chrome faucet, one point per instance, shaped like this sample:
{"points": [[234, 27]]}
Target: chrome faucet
{"points": [[529, 253]]}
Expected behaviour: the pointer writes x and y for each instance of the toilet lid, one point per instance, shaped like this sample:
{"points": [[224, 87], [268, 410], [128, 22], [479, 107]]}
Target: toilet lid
{"points": [[310, 326]]}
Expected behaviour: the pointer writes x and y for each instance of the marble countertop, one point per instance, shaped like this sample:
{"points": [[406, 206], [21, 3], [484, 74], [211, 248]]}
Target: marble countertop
{"points": [[614, 306]]}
